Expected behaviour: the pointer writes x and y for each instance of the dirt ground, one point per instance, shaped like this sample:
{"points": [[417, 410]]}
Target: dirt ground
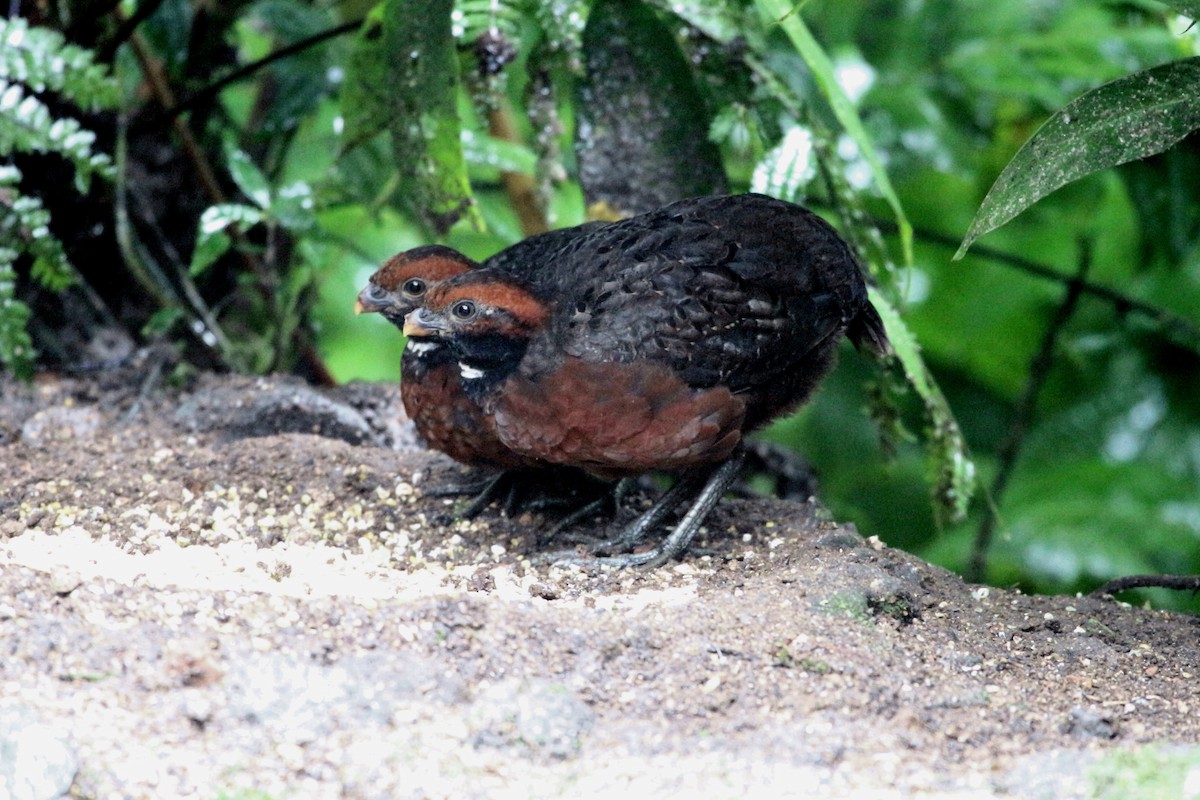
{"points": [[241, 590]]}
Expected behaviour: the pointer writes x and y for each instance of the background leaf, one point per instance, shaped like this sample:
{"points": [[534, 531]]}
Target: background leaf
{"points": [[1189, 8], [1127, 119], [953, 485], [403, 77]]}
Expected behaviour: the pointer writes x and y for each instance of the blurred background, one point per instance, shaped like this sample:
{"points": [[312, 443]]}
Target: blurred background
{"points": [[219, 179]]}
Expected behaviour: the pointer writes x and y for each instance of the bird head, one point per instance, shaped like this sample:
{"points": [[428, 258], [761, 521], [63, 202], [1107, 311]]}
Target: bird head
{"points": [[487, 317], [403, 282]]}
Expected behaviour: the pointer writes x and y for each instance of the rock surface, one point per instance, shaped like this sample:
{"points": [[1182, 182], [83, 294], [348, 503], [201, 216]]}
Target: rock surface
{"points": [[241, 587]]}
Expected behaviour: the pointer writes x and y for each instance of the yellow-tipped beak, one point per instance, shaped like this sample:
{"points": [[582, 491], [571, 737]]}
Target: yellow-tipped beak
{"points": [[359, 307], [414, 328]]}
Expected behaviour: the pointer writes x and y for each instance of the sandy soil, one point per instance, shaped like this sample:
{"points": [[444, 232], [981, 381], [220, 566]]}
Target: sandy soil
{"points": [[241, 590]]}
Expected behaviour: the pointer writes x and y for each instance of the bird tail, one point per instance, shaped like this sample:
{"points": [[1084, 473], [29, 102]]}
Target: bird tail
{"points": [[866, 330]]}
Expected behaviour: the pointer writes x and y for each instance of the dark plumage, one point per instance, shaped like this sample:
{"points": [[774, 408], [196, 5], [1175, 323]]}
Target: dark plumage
{"points": [[657, 342]]}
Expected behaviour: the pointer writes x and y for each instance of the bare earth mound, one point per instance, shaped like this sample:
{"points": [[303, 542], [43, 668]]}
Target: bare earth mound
{"points": [[240, 590]]}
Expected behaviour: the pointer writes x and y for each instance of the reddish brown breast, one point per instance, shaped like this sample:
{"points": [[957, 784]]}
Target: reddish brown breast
{"points": [[447, 420]]}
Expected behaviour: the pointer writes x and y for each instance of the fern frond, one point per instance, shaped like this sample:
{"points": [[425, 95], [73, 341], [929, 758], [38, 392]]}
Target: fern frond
{"points": [[16, 349], [42, 60], [26, 125], [25, 227], [474, 18]]}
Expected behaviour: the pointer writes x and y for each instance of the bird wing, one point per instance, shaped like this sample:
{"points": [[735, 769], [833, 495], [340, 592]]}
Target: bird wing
{"points": [[725, 291]]}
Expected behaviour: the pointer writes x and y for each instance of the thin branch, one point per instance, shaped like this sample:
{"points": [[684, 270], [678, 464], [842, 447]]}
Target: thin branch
{"points": [[1039, 371], [242, 73], [1179, 329], [161, 88], [108, 49], [1186, 583]]}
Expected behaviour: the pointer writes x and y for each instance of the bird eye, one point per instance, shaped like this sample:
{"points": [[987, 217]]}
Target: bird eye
{"points": [[463, 310], [376, 292], [414, 286]]}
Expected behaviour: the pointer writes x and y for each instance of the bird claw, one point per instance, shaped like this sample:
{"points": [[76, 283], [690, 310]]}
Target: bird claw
{"points": [[609, 505], [613, 552], [647, 558], [519, 491], [504, 485]]}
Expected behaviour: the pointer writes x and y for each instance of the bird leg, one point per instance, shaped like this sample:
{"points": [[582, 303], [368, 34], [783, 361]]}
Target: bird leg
{"points": [[608, 504], [678, 540], [713, 486], [652, 517], [504, 486], [637, 530], [520, 490]]}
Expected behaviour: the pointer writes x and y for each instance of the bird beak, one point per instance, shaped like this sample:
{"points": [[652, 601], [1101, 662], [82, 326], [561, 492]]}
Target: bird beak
{"points": [[422, 322], [364, 304]]}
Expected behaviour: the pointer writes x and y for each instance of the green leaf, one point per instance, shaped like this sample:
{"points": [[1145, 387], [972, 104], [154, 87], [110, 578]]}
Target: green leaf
{"points": [[26, 125], [40, 58], [403, 77], [300, 81], [484, 150], [782, 13], [1184, 7], [953, 481], [209, 247], [292, 207], [211, 240], [719, 20], [25, 227], [786, 170], [162, 321], [475, 18], [1128, 119], [248, 177]]}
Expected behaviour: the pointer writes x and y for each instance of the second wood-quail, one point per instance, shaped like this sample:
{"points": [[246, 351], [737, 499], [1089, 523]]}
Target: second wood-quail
{"points": [[657, 343]]}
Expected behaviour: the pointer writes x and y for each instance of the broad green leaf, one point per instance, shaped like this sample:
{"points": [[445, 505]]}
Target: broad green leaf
{"points": [[782, 12], [480, 149], [1130, 118], [719, 20], [162, 321], [300, 81], [248, 177], [211, 240], [1188, 8], [953, 483], [209, 247], [403, 77], [293, 207], [364, 96]]}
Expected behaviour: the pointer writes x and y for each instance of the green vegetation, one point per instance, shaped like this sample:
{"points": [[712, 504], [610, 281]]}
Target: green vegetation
{"points": [[269, 155], [1145, 774]]}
